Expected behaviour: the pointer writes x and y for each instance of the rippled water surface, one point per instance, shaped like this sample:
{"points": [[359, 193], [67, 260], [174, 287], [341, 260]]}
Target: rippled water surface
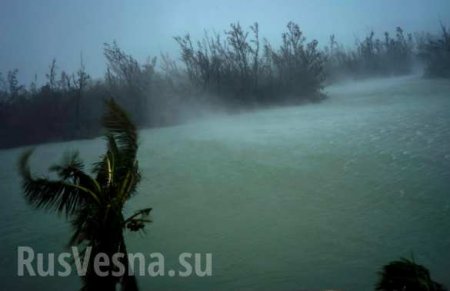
{"points": [[295, 198]]}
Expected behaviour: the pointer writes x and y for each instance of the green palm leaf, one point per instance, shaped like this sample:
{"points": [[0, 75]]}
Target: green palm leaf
{"points": [[64, 197], [123, 131]]}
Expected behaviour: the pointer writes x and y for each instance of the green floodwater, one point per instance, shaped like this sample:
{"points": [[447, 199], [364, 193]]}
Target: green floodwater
{"points": [[312, 197]]}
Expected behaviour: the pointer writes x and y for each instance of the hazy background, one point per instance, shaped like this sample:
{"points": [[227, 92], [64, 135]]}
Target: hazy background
{"points": [[32, 33], [311, 197]]}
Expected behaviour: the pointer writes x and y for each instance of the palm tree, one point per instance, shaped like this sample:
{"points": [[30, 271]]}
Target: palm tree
{"points": [[405, 275], [94, 203]]}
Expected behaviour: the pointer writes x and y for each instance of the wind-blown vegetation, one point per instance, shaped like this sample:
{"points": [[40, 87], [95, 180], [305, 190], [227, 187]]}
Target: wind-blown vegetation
{"points": [[372, 57], [94, 203], [436, 54], [244, 70], [236, 69], [405, 274]]}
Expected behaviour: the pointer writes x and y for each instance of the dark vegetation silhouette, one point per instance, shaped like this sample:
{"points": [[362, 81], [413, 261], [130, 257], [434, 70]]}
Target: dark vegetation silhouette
{"points": [[235, 70], [245, 70], [435, 51], [372, 57], [94, 203], [405, 275]]}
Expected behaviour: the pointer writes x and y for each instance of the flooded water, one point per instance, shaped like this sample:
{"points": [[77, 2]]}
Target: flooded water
{"points": [[312, 197]]}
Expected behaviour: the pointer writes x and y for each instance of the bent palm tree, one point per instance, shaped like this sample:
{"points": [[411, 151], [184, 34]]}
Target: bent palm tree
{"points": [[94, 204]]}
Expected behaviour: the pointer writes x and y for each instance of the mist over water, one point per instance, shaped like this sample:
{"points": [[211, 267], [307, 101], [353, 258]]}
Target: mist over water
{"points": [[306, 197]]}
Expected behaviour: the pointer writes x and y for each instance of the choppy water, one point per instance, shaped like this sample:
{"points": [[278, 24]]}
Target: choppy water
{"points": [[297, 198]]}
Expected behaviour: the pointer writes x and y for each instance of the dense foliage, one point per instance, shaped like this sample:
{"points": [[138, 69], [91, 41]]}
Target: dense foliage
{"points": [[94, 202], [405, 274], [389, 56], [436, 54], [237, 69], [243, 70]]}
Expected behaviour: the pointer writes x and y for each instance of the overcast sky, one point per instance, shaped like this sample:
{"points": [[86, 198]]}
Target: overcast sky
{"points": [[33, 32]]}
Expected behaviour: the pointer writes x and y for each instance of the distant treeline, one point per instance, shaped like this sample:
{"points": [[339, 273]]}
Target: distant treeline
{"points": [[236, 69], [390, 56]]}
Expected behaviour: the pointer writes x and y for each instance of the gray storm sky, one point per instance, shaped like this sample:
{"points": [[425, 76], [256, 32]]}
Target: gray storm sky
{"points": [[33, 32]]}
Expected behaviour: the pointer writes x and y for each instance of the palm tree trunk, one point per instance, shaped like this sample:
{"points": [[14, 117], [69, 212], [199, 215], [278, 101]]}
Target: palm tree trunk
{"points": [[128, 281], [108, 243], [94, 282]]}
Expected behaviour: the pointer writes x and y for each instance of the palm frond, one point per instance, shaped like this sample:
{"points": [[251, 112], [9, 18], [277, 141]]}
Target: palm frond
{"points": [[70, 160], [105, 168], [71, 170], [60, 195], [128, 184], [122, 129], [119, 166], [86, 225], [138, 220]]}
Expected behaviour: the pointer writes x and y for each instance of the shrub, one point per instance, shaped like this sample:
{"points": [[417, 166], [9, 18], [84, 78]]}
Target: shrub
{"points": [[436, 54]]}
